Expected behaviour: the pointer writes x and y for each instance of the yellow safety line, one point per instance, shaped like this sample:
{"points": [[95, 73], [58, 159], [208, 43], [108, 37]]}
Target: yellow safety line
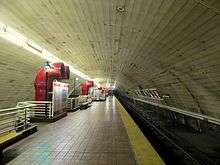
{"points": [[7, 136], [144, 152]]}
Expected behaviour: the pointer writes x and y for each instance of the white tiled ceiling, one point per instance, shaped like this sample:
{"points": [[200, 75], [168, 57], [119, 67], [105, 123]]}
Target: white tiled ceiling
{"points": [[172, 45]]}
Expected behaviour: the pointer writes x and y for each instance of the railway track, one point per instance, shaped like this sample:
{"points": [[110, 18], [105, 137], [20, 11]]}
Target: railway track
{"points": [[172, 148]]}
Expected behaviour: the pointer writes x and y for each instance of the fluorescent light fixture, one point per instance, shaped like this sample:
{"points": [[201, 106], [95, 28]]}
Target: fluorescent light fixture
{"points": [[34, 46], [20, 40]]}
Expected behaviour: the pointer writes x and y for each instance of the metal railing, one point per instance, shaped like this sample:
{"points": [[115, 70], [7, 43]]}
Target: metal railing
{"points": [[74, 89], [73, 103], [77, 102], [83, 100], [15, 119], [155, 100], [183, 112], [42, 109]]}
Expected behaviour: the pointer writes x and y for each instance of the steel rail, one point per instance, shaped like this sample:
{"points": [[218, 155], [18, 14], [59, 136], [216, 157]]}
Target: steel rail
{"points": [[183, 112]]}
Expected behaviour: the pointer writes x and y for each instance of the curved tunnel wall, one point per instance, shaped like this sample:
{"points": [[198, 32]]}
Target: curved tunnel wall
{"points": [[17, 70], [171, 45]]}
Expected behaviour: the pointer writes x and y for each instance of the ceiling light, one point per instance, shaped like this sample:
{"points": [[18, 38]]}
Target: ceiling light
{"points": [[20, 40], [34, 46]]}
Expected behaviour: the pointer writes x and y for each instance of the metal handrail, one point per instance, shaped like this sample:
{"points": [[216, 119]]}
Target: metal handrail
{"points": [[76, 102], [41, 109], [184, 112], [16, 108], [151, 98], [15, 119], [76, 87], [72, 103]]}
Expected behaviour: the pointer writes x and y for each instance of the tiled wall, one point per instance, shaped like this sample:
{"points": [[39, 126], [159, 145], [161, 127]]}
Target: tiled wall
{"points": [[17, 73]]}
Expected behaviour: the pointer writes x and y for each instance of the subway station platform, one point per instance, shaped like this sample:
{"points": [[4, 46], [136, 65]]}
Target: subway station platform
{"points": [[101, 134]]}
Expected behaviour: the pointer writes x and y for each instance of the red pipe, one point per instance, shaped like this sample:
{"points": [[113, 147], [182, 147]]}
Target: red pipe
{"points": [[85, 87], [67, 72], [44, 80]]}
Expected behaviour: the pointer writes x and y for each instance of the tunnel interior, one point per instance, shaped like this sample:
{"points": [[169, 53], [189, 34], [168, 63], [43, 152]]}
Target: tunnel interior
{"points": [[165, 54]]}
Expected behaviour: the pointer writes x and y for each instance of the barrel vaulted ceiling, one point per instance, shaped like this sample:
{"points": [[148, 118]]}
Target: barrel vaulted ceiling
{"points": [[172, 45]]}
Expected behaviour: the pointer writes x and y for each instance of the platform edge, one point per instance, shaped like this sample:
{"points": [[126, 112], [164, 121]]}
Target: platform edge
{"points": [[142, 148]]}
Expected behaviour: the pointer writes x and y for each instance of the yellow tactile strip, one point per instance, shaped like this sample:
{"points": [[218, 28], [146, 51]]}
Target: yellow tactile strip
{"points": [[7, 136], [144, 152]]}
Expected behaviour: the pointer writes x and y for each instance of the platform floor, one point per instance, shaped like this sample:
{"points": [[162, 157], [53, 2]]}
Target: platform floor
{"points": [[95, 135]]}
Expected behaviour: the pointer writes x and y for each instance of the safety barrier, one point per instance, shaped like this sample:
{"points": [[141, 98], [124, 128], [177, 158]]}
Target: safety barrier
{"points": [[180, 111], [42, 109], [84, 100], [77, 102], [15, 119], [73, 103]]}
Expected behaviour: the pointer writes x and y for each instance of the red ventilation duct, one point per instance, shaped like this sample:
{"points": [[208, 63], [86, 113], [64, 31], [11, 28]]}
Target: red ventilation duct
{"points": [[44, 80], [67, 72], [85, 86]]}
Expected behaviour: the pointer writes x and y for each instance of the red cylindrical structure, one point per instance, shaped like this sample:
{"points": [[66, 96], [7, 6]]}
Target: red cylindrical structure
{"points": [[67, 72], [85, 86], [44, 80]]}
